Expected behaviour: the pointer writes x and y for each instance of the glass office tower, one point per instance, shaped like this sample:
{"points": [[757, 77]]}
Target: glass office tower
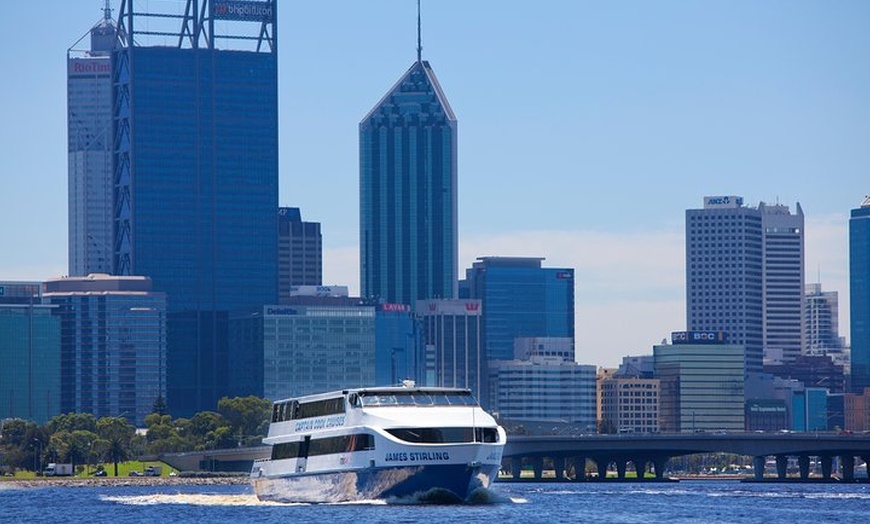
{"points": [[408, 209], [89, 131], [112, 345], [300, 252], [859, 288], [520, 299], [195, 95], [29, 353]]}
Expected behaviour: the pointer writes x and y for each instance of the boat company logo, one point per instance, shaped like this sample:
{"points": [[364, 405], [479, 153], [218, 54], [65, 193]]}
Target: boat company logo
{"points": [[417, 456], [319, 423]]}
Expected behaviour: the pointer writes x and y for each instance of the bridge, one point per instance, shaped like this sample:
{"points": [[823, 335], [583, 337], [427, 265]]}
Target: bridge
{"points": [[643, 450]]}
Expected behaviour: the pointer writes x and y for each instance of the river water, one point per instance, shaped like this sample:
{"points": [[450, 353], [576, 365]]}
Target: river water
{"points": [[677, 502]]}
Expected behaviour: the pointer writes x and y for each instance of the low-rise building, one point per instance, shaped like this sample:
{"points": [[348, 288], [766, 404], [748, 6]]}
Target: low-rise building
{"points": [[544, 389], [702, 383]]}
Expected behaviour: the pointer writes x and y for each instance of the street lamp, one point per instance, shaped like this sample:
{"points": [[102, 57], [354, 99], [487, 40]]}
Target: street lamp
{"points": [[37, 461]]}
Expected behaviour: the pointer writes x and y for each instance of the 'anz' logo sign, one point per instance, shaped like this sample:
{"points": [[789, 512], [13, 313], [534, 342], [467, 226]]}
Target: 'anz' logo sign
{"points": [[723, 201]]}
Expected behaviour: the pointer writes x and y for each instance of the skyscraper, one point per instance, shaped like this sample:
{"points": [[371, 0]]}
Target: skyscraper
{"points": [[300, 252], [783, 282], [520, 299], [744, 275], [859, 289], [408, 192], [30, 354], [822, 320], [89, 131], [112, 344], [195, 90], [450, 337]]}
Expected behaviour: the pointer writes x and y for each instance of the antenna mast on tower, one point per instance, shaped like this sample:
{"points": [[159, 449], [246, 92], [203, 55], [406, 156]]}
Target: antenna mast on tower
{"points": [[107, 11], [419, 37]]}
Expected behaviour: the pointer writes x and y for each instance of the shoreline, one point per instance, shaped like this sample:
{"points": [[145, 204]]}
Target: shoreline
{"points": [[78, 482]]}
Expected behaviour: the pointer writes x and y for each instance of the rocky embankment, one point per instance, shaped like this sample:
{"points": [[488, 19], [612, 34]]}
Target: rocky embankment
{"points": [[125, 481]]}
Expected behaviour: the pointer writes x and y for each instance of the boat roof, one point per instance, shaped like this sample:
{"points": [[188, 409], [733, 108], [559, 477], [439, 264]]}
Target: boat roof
{"points": [[379, 390]]}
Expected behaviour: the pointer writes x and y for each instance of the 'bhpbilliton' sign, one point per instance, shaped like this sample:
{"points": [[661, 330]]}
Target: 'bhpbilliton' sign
{"points": [[240, 10]]}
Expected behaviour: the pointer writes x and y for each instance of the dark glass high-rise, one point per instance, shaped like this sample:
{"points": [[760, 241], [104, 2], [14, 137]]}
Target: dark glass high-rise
{"points": [[195, 109]]}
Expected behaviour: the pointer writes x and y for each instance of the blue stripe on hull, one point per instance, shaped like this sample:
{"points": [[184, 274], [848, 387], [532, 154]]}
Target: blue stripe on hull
{"points": [[377, 484]]}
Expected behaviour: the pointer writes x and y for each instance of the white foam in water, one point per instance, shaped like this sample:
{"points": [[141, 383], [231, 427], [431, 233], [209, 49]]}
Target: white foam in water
{"points": [[190, 500], [479, 497]]}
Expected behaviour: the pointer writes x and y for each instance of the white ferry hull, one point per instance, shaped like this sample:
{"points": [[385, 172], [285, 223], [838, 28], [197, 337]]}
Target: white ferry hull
{"points": [[446, 482], [419, 444]]}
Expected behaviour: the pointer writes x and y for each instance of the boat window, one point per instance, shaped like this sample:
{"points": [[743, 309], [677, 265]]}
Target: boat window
{"points": [[422, 399], [325, 446], [486, 435], [285, 450], [342, 444], [353, 400], [404, 399], [445, 435], [460, 400], [417, 398], [440, 399], [320, 408]]}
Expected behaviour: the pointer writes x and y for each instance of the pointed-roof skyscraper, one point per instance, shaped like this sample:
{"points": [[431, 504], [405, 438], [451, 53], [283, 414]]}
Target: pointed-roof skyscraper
{"points": [[408, 191]]}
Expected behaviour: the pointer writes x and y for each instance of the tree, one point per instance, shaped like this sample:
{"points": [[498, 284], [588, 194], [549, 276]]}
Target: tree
{"points": [[119, 435], [80, 446], [248, 417], [23, 444], [201, 424], [159, 406], [71, 422]]}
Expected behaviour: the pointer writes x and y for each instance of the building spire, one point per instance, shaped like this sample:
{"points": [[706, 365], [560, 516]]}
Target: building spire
{"points": [[107, 11], [419, 35]]}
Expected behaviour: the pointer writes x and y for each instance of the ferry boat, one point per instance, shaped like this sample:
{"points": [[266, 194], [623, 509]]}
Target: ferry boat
{"points": [[379, 443]]}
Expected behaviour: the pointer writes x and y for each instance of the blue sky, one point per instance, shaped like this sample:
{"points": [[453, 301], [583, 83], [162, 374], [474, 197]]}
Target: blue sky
{"points": [[585, 131]]}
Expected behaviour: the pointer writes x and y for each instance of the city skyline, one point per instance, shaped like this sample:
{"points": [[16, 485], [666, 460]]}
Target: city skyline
{"points": [[587, 131]]}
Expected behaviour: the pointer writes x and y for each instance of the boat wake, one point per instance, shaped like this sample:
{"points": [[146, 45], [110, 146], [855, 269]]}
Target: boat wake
{"points": [[187, 499], [432, 497], [438, 496]]}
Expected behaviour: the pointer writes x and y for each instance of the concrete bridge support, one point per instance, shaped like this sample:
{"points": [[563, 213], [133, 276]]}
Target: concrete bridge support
{"points": [[847, 463], [620, 468], [804, 466], [827, 466], [601, 464], [580, 468], [758, 465], [538, 467], [516, 467], [639, 467], [559, 467], [781, 466], [659, 464]]}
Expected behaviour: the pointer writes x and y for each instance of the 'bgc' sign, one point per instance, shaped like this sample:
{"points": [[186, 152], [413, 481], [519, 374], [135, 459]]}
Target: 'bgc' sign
{"points": [[699, 337]]}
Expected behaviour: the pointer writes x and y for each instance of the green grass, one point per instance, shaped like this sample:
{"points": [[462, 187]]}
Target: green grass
{"points": [[124, 468]]}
